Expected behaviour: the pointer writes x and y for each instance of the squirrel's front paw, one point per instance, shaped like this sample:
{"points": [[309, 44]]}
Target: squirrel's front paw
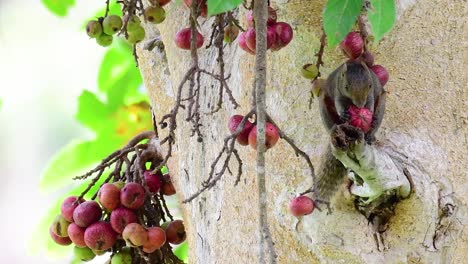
{"points": [[345, 116]]}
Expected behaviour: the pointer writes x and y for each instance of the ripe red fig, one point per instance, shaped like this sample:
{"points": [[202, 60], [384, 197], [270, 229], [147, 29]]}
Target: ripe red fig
{"points": [[301, 205], [64, 241], [272, 16], [87, 213], [76, 234], [132, 195], [271, 136], [367, 58], [153, 181], [183, 37], [121, 217], [284, 35], [168, 188], [360, 118], [159, 2], [242, 43], [100, 236], [251, 38], [68, 206], [175, 232], [352, 45], [60, 226], [243, 137], [109, 196], [156, 239], [135, 235], [381, 73]]}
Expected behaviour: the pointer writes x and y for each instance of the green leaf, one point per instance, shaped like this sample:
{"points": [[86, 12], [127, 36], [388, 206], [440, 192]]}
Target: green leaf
{"points": [[339, 17], [382, 17], [220, 6], [182, 252], [91, 111], [59, 7]]}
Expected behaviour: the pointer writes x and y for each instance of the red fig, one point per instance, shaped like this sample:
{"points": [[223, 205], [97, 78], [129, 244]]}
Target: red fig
{"points": [[156, 239], [100, 236], [360, 118], [271, 136], [132, 195], [135, 235], [87, 213], [381, 73], [121, 217], [301, 205], [64, 241], [243, 137], [175, 232], [242, 43], [76, 234], [352, 45], [183, 37], [109, 196], [153, 181], [284, 35], [68, 206]]}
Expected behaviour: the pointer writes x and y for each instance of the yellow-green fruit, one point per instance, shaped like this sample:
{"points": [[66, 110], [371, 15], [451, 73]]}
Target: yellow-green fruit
{"points": [[317, 87], [133, 21], [112, 24], [98, 252], [84, 254], [104, 40], [93, 29], [119, 184], [230, 33], [309, 71], [155, 14], [137, 35], [60, 226], [123, 257]]}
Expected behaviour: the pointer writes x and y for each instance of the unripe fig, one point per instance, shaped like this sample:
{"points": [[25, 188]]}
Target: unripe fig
{"points": [[175, 232], [68, 206], [272, 16], [87, 213], [243, 137], [119, 184], [183, 37], [367, 58], [135, 235], [317, 87], [136, 35], [76, 234], [100, 236], [301, 205], [168, 188], [159, 2], [93, 29], [360, 118], [84, 254], [111, 24], [156, 239], [132, 195], [122, 257], [104, 40], [109, 196], [284, 35], [121, 217], [98, 252], [63, 241], [381, 73], [133, 21], [153, 181], [309, 71], [271, 136], [60, 226], [352, 45], [242, 43], [230, 33], [155, 14]]}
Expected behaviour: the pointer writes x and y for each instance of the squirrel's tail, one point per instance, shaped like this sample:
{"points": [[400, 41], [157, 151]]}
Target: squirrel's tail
{"points": [[330, 175]]}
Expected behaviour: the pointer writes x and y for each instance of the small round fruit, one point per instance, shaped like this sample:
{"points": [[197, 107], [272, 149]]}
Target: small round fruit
{"points": [[155, 14], [112, 24], [271, 136], [121, 217], [63, 241], [168, 188], [93, 29], [122, 257], [104, 40], [153, 181], [183, 37], [109, 196], [242, 43], [309, 71], [68, 206], [284, 35], [159, 2], [230, 33], [381, 73], [271, 20], [60, 226], [135, 235], [243, 137], [87, 213], [301, 205], [136, 35], [352, 45], [100, 236], [133, 21], [360, 118], [132, 195], [76, 234], [156, 239], [175, 232], [84, 254]]}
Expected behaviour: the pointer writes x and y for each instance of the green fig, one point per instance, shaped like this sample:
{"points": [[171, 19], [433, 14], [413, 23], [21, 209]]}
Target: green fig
{"points": [[112, 24]]}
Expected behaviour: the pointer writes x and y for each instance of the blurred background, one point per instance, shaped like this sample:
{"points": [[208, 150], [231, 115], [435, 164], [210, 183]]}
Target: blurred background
{"points": [[46, 62]]}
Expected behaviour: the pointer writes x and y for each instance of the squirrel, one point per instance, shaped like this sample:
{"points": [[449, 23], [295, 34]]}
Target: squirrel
{"points": [[352, 83]]}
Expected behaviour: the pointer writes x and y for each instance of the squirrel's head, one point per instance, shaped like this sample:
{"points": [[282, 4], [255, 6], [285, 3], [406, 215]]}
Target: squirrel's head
{"points": [[357, 82]]}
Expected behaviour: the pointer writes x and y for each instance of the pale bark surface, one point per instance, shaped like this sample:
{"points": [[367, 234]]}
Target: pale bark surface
{"points": [[425, 121]]}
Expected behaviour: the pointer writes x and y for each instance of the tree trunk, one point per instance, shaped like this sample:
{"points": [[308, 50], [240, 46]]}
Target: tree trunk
{"points": [[425, 123]]}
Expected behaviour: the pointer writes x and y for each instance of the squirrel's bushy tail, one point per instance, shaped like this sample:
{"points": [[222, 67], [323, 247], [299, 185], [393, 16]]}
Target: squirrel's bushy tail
{"points": [[331, 173]]}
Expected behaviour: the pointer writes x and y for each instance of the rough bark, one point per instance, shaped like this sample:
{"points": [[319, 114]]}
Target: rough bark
{"points": [[424, 127]]}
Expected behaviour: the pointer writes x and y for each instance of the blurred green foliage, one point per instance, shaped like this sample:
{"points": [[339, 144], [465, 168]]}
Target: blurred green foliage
{"points": [[220, 6]]}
